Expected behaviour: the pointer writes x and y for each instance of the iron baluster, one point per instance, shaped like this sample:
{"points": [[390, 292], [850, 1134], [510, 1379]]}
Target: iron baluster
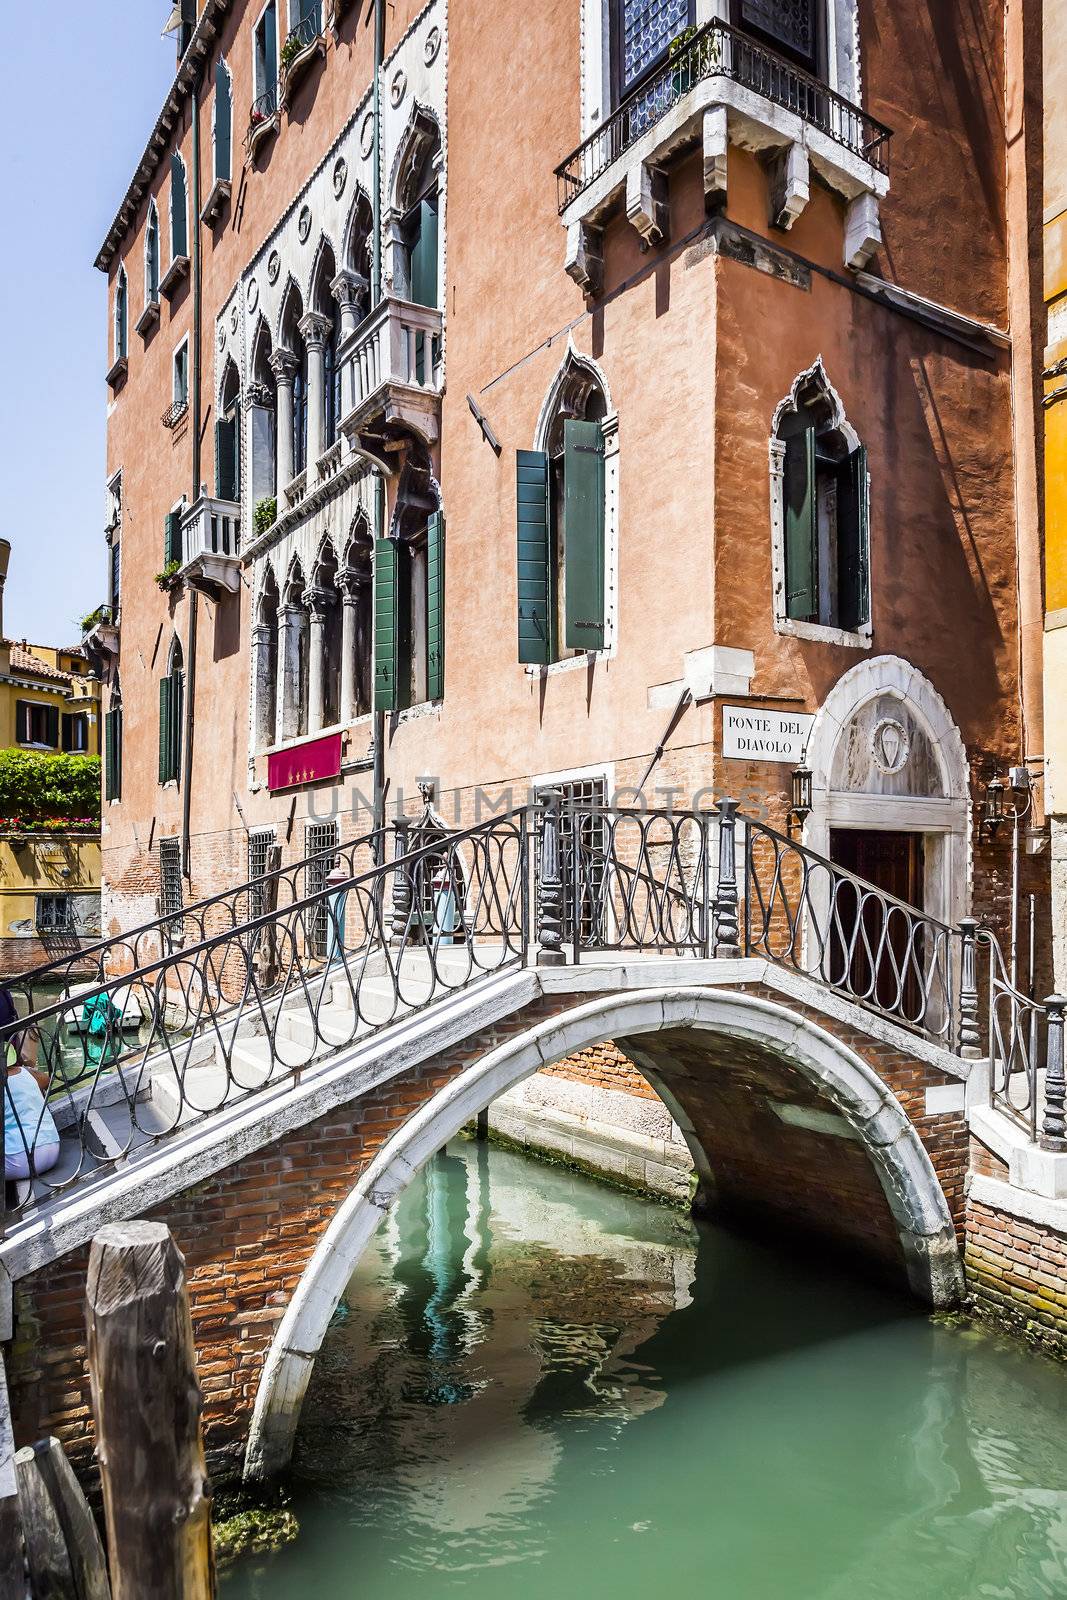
{"points": [[726, 904], [969, 1038], [550, 884], [1054, 1123]]}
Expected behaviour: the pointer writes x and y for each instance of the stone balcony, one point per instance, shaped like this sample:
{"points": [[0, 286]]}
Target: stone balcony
{"points": [[211, 547], [305, 42], [722, 87], [392, 374]]}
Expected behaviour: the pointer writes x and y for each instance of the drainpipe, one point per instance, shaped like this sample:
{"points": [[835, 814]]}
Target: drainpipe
{"points": [[376, 295], [194, 600]]}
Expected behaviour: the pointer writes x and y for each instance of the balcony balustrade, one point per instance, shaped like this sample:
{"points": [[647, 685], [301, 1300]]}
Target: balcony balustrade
{"points": [[263, 121], [391, 372], [304, 42], [211, 546]]}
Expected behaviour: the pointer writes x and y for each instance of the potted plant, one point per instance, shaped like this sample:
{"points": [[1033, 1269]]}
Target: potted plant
{"points": [[265, 514], [167, 579]]}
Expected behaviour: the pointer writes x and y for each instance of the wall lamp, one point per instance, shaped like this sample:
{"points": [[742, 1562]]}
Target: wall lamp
{"points": [[800, 795]]}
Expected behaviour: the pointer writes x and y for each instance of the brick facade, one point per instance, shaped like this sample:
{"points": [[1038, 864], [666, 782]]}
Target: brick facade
{"points": [[1017, 1274]]}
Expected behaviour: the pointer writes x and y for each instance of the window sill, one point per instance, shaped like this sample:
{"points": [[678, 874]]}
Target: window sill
{"points": [[552, 669], [216, 201], [116, 375], [148, 318], [821, 633], [178, 269]]}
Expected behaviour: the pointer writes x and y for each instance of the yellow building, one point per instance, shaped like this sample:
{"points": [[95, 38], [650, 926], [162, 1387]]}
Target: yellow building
{"points": [[1055, 383], [49, 881]]}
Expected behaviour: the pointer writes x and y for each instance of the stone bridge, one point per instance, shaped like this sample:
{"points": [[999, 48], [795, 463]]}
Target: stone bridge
{"points": [[265, 1078]]}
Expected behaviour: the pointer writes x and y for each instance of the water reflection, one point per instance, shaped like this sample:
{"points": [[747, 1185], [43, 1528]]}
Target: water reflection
{"points": [[539, 1385]]}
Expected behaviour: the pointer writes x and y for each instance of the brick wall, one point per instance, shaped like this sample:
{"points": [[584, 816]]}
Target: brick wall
{"points": [[249, 1232], [1017, 1275]]}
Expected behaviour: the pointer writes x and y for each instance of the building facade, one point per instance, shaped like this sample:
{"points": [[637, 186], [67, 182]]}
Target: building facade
{"points": [[1054, 339], [607, 395]]}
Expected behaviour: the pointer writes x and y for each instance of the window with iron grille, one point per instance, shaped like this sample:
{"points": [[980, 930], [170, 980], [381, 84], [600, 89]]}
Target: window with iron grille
{"points": [[259, 846], [641, 37], [320, 838], [170, 879], [55, 913]]}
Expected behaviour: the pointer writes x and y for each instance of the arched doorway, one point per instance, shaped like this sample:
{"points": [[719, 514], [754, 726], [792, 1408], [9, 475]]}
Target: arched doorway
{"points": [[806, 1087]]}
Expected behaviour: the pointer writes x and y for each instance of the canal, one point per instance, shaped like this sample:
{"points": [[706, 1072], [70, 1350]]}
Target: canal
{"points": [[538, 1385]]}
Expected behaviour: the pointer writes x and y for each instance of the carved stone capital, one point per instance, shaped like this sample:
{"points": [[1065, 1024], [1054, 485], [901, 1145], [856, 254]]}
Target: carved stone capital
{"points": [[260, 394], [319, 602], [349, 288], [284, 365], [315, 329], [351, 585]]}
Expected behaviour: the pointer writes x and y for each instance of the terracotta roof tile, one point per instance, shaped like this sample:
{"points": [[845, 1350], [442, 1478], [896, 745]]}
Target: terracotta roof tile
{"points": [[24, 660]]}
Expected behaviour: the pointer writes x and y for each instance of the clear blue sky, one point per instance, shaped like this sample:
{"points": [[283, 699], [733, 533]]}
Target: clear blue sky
{"points": [[83, 85]]}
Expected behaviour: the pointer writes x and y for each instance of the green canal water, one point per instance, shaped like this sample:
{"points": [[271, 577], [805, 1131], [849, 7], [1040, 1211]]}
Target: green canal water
{"points": [[539, 1386]]}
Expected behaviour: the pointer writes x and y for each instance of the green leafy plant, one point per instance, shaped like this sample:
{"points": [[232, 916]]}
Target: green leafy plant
{"points": [[37, 789], [166, 579], [265, 514], [289, 52], [678, 44], [90, 620]]}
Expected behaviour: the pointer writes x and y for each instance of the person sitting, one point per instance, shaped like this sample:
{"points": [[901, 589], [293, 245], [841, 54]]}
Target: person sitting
{"points": [[31, 1138]]}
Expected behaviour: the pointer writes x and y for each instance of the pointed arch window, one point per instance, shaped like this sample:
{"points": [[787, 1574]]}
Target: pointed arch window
{"points": [[179, 210], [113, 745], [171, 710], [228, 438], [151, 256], [122, 309], [332, 375], [300, 408]]}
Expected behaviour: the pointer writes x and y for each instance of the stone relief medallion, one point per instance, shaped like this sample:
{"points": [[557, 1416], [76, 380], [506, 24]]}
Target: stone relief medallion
{"points": [[398, 87], [274, 266], [890, 745], [252, 294], [303, 224], [340, 176], [235, 317], [366, 134], [222, 337], [432, 46]]}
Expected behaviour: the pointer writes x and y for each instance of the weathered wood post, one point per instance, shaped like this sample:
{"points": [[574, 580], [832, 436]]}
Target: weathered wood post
{"points": [[12, 1579], [146, 1401], [63, 1549]]}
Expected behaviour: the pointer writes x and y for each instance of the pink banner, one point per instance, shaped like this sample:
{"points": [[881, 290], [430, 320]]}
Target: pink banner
{"points": [[305, 763]]}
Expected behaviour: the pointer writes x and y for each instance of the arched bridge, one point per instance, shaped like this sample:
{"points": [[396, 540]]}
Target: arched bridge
{"points": [[266, 1070]]}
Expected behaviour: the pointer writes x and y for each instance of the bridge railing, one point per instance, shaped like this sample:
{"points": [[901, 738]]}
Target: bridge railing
{"points": [[193, 1031], [278, 885], [1024, 1038]]}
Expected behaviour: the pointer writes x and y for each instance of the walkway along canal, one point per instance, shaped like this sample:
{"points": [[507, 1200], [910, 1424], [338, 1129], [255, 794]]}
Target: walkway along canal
{"points": [[538, 1385]]}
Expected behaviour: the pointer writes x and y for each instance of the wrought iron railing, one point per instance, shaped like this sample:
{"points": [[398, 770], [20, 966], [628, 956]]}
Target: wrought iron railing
{"points": [[264, 108], [263, 982], [253, 1005], [721, 51], [302, 36]]}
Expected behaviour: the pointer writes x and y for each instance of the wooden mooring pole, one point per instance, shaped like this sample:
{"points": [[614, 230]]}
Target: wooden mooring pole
{"points": [[63, 1550], [146, 1401], [12, 1582]]}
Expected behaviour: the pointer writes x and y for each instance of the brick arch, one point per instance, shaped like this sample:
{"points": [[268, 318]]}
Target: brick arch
{"points": [[761, 1033]]}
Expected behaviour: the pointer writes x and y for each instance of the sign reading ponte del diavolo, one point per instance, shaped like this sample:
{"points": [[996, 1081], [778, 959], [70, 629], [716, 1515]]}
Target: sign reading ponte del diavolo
{"points": [[749, 733]]}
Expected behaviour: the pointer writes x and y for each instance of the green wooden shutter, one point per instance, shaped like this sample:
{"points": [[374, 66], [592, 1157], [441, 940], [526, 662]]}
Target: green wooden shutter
{"points": [[52, 726], [223, 121], [386, 625], [583, 534], [113, 754], [172, 538], [226, 458], [853, 541], [800, 559], [179, 231], [166, 729], [270, 54], [534, 539], [68, 731], [22, 721], [435, 606], [424, 256]]}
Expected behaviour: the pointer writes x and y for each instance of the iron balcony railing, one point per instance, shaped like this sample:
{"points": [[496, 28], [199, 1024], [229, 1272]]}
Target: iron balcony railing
{"points": [[721, 51], [264, 108], [302, 36], [245, 991]]}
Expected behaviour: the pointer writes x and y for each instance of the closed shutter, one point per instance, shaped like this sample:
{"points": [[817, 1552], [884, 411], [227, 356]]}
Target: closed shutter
{"points": [[172, 538], [424, 256], [853, 541], [69, 732], [223, 119], [22, 721], [583, 534], [167, 716], [270, 48], [435, 606], [799, 490], [113, 754], [386, 629], [52, 726], [179, 232], [226, 458], [532, 526]]}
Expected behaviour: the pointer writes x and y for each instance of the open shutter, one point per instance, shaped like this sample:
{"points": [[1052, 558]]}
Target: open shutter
{"points": [[386, 628], [68, 743], [800, 565], [270, 51], [853, 541], [531, 490], [435, 606], [179, 230], [22, 721], [424, 257], [226, 458], [223, 120], [52, 726], [166, 728], [172, 538], [583, 534], [113, 754]]}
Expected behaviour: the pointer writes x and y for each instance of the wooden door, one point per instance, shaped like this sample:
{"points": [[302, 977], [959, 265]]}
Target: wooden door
{"points": [[879, 958]]}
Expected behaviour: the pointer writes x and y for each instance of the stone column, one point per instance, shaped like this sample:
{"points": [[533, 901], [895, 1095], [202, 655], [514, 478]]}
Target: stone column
{"points": [[350, 585], [265, 689], [316, 330], [259, 447], [291, 621], [318, 601], [283, 364], [395, 255], [351, 291]]}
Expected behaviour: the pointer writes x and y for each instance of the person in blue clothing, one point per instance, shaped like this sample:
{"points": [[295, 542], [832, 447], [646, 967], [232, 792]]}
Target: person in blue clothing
{"points": [[28, 1124]]}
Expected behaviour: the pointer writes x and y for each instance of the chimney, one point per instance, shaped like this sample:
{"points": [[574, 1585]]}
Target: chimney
{"points": [[5, 557]]}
